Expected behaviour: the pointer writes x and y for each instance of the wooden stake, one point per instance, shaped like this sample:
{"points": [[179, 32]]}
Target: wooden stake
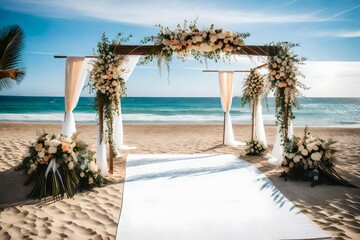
{"points": [[224, 128]]}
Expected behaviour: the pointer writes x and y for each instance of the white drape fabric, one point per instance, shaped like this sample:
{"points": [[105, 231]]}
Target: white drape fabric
{"points": [[276, 156], [128, 64], [75, 75], [226, 92], [259, 124], [101, 159]]}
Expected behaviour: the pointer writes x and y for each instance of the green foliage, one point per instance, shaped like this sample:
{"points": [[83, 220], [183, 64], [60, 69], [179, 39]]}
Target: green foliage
{"points": [[11, 46]]}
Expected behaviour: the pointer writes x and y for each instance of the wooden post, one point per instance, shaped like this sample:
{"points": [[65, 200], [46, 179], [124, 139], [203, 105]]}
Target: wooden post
{"points": [[253, 119], [286, 124], [224, 128], [111, 143], [111, 156]]}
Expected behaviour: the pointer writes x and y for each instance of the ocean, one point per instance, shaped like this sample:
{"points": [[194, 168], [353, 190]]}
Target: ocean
{"points": [[313, 111]]}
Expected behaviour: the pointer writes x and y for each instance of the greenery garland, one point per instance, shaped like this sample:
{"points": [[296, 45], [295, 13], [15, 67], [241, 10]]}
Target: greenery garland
{"points": [[212, 43], [283, 67], [105, 79]]}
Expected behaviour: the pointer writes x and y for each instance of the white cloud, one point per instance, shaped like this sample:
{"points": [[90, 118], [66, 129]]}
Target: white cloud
{"points": [[332, 79], [159, 11], [41, 53], [341, 34]]}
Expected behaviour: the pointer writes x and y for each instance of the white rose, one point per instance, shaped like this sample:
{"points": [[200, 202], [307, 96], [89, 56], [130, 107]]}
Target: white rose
{"points": [[316, 156], [309, 147], [304, 152], [55, 143], [52, 149], [47, 143], [71, 165], [92, 166], [297, 158], [278, 60], [316, 148], [301, 148], [82, 174], [41, 154]]}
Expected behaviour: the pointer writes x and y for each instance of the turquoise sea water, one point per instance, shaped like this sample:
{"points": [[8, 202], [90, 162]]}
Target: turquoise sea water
{"points": [[313, 111]]}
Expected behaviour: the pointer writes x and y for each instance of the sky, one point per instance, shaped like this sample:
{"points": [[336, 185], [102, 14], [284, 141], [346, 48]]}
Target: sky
{"points": [[328, 32]]}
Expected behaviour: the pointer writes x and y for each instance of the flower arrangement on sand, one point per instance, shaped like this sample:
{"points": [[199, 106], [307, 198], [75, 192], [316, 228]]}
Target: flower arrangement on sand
{"points": [[212, 43], [256, 148], [311, 158], [59, 166]]}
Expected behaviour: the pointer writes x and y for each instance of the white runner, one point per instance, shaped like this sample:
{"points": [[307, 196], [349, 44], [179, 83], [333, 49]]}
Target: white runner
{"points": [[206, 197]]}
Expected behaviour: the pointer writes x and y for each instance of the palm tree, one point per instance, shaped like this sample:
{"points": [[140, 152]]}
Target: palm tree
{"points": [[11, 45]]}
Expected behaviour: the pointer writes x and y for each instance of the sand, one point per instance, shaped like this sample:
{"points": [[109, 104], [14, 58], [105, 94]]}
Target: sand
{"points": [[94, 215]]}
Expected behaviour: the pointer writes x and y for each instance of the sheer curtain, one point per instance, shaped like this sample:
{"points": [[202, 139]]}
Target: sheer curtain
{"points": [[128, 64], [75, 75], [226, 91], [276, 156], [101, 159], [259, 123]]}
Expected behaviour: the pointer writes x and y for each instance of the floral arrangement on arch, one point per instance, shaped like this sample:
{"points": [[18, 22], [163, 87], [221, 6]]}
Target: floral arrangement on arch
{"points": [[255, 148], [105, 79], [254, 87], [59, 166], [213, 43], [283, 66], [311, 158]]}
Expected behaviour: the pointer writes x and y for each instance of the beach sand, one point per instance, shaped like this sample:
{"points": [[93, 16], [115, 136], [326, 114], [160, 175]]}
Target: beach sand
{"points": [[94, 215]]}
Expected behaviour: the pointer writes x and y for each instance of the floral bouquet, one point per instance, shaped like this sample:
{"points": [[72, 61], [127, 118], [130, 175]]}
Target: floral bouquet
{"points": [[105, 79], [209, 43], [256, 147], [52, 162], [254, 87], [311, 158], [283, 77]]}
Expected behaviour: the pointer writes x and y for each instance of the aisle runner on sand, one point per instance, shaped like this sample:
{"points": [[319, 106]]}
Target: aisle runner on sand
{"points": [[206, 197]]}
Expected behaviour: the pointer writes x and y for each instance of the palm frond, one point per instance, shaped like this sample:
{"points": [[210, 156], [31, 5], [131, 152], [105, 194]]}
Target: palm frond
{"points": [[11, 45]]}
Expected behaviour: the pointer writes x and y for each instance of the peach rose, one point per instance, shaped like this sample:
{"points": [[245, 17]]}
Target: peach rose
{"points": [[65, 147], [282, 84], [38, 147]]}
